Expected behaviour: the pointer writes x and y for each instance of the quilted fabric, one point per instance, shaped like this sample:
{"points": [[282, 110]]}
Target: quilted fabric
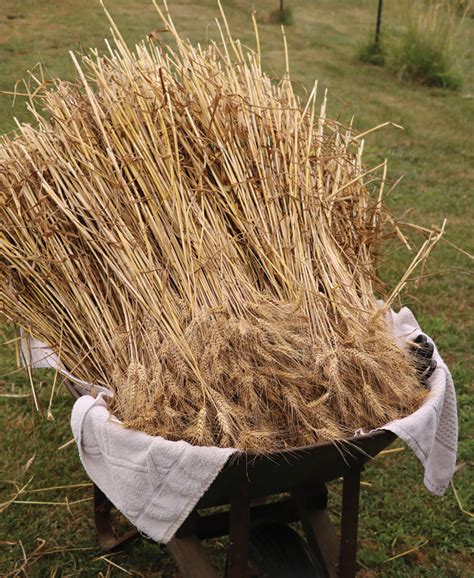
{"points": [[431, 432], [155, 483]]}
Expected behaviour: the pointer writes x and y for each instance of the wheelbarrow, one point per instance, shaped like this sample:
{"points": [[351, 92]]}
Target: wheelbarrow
{"points": [[264, 494]]}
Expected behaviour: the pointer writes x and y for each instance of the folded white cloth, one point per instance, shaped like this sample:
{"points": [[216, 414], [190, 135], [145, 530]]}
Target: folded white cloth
{"points": [[156, 483], [432, 430]]}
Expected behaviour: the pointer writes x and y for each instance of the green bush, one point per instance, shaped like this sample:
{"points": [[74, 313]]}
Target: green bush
{"points": [[420, 60], [284, 16], [372, 53], [426, 51]]}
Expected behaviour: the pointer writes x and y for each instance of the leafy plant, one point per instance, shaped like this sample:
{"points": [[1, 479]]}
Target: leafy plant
{"points": [[372, 53], [427, 51], [283, 15]]}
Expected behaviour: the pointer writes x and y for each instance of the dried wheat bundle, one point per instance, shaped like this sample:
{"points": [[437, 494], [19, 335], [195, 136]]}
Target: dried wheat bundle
{"points": [[181, 229]]}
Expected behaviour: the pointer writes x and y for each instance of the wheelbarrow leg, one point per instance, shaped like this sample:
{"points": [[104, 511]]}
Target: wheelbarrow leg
{"points": [[190, 558], [349, 523], [103, 523], [327, 539], [319, 531], [239, 528]]}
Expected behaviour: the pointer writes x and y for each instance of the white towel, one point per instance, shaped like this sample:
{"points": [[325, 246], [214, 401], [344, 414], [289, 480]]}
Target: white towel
{"points": [[432, 430], [156, 483]]}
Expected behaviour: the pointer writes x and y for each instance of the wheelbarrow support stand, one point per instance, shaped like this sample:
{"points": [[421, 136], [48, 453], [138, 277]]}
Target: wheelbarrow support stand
{"points": [[338, 557]]}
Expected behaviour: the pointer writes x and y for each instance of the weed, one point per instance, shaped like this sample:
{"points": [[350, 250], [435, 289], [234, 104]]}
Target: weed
{"points": [[283, 16], [427, 50], [372, 53]]}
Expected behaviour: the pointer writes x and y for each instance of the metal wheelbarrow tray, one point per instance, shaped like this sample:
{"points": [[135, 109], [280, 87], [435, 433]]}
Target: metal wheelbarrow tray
{"points": [[267, 492]]}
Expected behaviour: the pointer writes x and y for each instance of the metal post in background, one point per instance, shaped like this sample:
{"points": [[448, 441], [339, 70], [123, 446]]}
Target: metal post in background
{"points": [[379, 22]]}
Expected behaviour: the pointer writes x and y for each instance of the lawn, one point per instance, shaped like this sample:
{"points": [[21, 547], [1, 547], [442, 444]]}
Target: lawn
{"points": [[434, 152]]}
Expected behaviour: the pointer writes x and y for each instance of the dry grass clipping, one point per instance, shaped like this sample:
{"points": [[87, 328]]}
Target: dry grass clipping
{"points": [[204, 245]]}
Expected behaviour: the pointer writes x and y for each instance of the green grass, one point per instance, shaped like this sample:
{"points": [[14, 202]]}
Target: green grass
{"points": [[434, 152]]}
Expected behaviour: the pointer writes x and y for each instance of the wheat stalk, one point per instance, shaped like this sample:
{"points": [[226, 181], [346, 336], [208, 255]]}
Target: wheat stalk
{"points": [[195, 238]]}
